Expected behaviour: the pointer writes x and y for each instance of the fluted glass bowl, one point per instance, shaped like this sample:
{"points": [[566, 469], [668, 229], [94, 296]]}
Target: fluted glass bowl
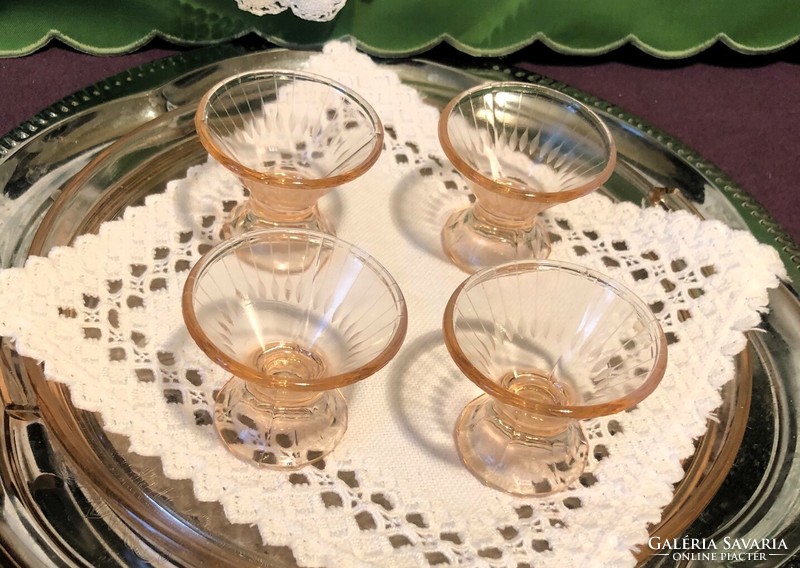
{"points": [[291, 137]]}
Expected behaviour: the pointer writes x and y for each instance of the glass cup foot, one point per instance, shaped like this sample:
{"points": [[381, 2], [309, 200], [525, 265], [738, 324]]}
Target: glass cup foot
{"points": [[520, 463], [279, 429], [473, 244]]}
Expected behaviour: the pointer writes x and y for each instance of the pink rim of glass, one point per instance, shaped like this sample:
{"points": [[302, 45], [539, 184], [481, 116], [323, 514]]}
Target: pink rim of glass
{"points": [[548, 94], [491, 387], [247, 373], [207, 140]]}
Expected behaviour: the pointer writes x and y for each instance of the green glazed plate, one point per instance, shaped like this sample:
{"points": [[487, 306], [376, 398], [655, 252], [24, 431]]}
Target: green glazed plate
{"points": [[664, 28]]}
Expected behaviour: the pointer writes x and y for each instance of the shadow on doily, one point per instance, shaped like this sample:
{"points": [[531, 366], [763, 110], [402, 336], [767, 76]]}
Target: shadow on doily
{"points": [[429, 392], [422, 201]]}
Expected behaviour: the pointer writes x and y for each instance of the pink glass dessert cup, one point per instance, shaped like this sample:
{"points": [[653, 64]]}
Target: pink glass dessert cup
{"points": [[522, 148], [290, 137], [294, 315], [550, 344]]}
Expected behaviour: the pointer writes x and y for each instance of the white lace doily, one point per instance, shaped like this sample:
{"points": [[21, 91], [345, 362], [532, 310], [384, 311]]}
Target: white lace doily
{"points": [[314, 10], [104, 316]]}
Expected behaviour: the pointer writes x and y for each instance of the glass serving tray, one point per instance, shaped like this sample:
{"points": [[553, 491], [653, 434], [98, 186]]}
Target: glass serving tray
{"points": [[74, 495]]}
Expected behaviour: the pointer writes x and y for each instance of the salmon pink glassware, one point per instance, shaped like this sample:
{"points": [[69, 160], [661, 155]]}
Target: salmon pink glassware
{"points": [[294, 315], [551, 344], [290, 137], [522, 148]]}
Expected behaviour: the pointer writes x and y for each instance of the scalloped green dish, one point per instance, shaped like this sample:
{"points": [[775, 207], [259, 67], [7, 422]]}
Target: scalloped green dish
{"points": [[672, 29]]}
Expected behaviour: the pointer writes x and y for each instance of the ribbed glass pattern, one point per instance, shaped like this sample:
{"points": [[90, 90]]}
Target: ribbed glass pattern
{"points": [[293, 307], [289, 124], [534, 323], [530, 138]]}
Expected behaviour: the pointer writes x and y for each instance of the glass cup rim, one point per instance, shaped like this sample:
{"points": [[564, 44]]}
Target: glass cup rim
{"points": [[491, 387], [207, 140], [247, 373], [543, 92]]}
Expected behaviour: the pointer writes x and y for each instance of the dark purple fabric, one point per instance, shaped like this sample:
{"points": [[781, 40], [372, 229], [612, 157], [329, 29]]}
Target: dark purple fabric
{"points": [[743, 116], [744, 120]]}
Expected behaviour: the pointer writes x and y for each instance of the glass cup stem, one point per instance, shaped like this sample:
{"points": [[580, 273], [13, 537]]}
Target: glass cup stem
{"points": [[273, 206], [282, 398], [480, 236], [284, 203], [504, 213], [528, 424]]}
